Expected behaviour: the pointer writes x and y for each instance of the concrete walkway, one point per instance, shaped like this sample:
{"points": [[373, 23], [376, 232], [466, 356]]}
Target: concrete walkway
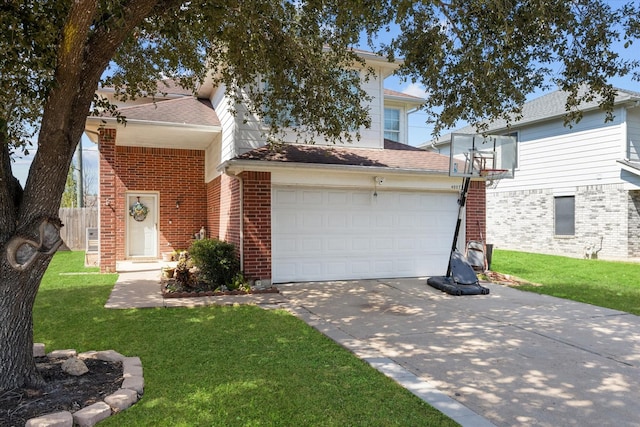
{"points": [[509, 358]]}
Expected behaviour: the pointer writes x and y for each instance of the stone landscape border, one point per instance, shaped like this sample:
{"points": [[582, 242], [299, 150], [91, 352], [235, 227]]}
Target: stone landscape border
{"points": [[130, 391]]}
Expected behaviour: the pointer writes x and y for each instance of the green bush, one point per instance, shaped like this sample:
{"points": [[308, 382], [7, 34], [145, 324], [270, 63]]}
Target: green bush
{"points": [[216, 260]]}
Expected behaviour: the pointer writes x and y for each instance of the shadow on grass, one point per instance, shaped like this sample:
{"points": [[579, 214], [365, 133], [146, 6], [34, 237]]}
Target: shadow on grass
{"points": [[228, 365]]}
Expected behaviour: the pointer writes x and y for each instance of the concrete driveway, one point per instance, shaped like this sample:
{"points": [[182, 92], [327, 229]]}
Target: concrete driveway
{"points": [[515, 358]]}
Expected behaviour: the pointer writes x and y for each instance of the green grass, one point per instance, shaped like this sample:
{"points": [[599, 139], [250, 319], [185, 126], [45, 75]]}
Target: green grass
{"points": [[222, 365], [603, 283]]}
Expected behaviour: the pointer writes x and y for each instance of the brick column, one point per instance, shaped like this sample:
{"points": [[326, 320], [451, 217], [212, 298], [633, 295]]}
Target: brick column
{"points": [[107, 200], [213, 189], [476, 212], [257, 224]]}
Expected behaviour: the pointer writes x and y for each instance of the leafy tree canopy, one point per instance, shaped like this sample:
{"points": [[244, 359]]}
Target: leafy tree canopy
{"points": [[477, 59]]}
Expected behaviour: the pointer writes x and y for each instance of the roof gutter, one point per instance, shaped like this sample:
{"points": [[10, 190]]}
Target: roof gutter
{"points": [[233, 167], [113, 120]]}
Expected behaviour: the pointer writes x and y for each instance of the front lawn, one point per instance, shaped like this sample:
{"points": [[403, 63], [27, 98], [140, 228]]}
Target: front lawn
{"points": [[603, 283], [210, 366]]}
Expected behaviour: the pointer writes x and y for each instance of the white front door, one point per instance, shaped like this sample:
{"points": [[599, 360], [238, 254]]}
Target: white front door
{"points": [[142, 230]]}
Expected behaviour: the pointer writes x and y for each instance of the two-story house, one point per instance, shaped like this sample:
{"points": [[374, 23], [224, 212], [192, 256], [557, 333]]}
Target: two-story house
{"points": [[576, 189], [371, 209]]}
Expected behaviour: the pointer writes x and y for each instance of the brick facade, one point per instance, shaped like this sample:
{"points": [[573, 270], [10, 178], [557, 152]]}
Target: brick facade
{"points": [[107, 221], [229, 222], [213, 207], [187, 203], [257, 224], [476, 219], [524, 221], [176, 175]]}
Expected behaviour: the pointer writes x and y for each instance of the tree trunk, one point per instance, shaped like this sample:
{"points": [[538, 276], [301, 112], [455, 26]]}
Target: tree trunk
{"points": [[29, 224], [18, 291]]}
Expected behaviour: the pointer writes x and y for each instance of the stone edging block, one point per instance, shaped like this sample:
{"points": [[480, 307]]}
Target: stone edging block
{"points": [[132, 388]]}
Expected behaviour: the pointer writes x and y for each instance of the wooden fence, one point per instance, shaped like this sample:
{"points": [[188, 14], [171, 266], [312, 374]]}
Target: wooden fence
{"points": [[76, 221]]}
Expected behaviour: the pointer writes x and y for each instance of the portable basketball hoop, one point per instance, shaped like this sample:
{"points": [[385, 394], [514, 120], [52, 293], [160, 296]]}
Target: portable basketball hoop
{"points": [[493, 176], [491, 157]]}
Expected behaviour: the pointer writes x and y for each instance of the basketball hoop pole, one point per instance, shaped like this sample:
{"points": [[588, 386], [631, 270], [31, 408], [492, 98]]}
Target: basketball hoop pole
{"points": [[462, 200]]}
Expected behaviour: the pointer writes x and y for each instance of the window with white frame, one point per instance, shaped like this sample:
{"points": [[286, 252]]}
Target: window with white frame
{"points": [[392, 124], [565, 215]]}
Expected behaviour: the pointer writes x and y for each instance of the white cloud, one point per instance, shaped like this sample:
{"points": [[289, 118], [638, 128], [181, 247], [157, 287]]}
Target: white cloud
{"points": [[415, 89]]}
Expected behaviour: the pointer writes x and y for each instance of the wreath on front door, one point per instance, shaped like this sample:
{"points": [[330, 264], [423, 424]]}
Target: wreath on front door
{"points": [[138, 211]]}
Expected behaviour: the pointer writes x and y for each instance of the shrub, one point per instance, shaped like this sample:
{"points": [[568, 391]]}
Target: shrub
{"points": [[216, 260]]}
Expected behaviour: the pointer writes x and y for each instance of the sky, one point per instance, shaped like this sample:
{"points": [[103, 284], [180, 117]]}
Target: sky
{"points": [[419, 131]]}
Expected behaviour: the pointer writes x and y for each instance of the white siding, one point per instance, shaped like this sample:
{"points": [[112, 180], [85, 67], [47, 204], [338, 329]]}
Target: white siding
{"points": [[633, 134], [581, 161], [554, 156], [245, 131], [227, 123]]}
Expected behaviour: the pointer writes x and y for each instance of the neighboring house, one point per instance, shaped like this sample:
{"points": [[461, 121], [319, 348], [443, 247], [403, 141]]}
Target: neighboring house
{"points": [[372, 209], [576, 190]]}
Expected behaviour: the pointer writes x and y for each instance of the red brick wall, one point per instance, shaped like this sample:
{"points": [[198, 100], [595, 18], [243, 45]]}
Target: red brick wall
{"points": [[177, 175], [229, 221], [108, 229], [257, 224], [213, 207], [476, 209]]}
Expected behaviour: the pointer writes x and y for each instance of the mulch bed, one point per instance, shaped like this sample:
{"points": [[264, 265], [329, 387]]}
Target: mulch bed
{"points": [[506, 279], [171, 294], [62, 392]]}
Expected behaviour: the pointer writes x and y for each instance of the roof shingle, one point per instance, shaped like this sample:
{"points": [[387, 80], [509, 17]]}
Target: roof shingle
{"points": [[187, 110], [396, 158]]}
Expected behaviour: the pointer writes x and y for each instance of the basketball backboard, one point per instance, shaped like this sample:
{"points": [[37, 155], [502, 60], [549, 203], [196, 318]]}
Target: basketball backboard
{"points": [[475, 155]]}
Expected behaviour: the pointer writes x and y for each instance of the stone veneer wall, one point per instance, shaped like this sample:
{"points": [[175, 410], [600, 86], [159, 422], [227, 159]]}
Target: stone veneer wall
{"points": [[634, 224], [524, 221]]}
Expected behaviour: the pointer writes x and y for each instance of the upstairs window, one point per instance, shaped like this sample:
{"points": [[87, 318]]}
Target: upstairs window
{"points": [[565, 215], [392, 124]]}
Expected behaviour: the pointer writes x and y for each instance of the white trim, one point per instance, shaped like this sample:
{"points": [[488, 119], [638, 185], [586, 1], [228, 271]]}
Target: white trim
{"points": [[624, 131], [234, 167]]}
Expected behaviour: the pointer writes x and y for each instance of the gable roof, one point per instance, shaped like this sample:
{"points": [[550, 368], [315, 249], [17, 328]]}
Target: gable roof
{"points": [[394, 155], [394, 95], [546, 107], [187, 110]]}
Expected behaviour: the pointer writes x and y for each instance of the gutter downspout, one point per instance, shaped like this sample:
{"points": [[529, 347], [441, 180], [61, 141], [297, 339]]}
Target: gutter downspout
{"points": [[241, 222]]}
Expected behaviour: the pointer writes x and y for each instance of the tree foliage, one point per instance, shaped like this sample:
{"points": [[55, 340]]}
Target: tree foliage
{"points": [[477, 59], [70, 194], [480, 59]]}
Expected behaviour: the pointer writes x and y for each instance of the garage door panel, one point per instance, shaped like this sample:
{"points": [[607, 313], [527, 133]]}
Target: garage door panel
{"points": [[409, 244], [312, 197], [361, 198], [339, 244], [338, 221], [337, 198], [361, 268], [360, 244], [288, 245], [361, 221], [311, 244], [321, 234]]}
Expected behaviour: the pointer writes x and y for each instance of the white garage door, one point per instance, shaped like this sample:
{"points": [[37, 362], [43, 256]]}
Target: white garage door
{"points": [[320, 234]]}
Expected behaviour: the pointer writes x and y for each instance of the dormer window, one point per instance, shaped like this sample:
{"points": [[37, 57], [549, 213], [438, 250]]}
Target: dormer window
{"points": [[392, 124]]}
